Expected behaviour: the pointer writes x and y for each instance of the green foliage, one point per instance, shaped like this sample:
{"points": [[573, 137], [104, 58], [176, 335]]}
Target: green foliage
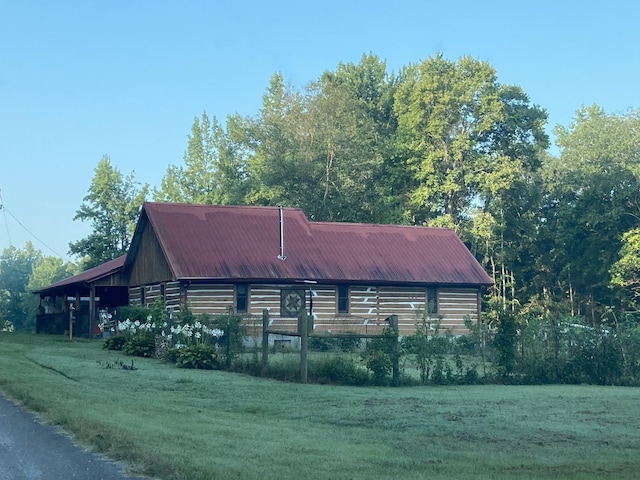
{"points": [[231, 342], [466, 137], [16, 266], [505, 343], [345, 343], [112, 206], [115, 342], [625, 272], [214, 166], [132, 313], [428, 346], [338, 370], [379, 355], [140, 345], [199, 356]]}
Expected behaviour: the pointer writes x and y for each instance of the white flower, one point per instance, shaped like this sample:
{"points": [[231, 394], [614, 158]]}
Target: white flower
{"points": [[216, 332], [197, 335], [137, 323]]}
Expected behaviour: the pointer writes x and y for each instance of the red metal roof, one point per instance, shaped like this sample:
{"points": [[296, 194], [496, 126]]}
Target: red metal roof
{"points": [[88, 276], [243, 242]]}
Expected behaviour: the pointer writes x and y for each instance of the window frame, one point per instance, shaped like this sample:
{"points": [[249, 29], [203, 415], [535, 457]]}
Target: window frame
{"points": [[242, 297], [343, 301], [432, 300]]}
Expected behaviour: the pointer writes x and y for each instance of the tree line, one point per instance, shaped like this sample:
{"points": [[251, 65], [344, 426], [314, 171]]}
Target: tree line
{"points": [[439, 143]]}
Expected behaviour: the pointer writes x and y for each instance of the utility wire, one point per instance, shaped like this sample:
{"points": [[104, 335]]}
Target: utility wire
{"points": [[6, 224], [5, 210]]}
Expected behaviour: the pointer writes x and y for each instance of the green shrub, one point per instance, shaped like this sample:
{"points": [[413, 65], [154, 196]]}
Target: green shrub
{"points": [[114, 343], [338, 369], [348, 343], [140, 346], [321, 344], [198, 356], [132, 313], [505, 342]]}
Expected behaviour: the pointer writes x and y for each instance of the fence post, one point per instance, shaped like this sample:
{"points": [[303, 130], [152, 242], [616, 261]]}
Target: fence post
{"points": [[265, 338], [395, 351], [303, 322]]}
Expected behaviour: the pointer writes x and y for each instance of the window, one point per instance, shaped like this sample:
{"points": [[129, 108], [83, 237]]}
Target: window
{"points": [[162, 290], [142, 296], [432, 300], [242, 294], [343, 299]]}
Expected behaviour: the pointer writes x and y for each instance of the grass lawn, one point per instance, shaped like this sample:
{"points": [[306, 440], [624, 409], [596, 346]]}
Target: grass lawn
{"points": [[195, 425]]}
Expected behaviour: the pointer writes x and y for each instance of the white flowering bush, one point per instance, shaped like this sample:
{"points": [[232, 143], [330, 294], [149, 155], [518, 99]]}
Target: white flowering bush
{"points": [[6, 326], [197, 333], [135, 329]]}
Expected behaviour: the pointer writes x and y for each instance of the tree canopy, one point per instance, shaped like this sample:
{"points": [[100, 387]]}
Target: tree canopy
{"points": [[112, 206]]}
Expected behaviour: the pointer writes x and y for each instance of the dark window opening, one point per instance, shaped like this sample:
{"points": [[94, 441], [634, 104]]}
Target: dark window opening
{"points": [[142, 296], [343, 299], [162, 290], [432, 300], [242, 294]]}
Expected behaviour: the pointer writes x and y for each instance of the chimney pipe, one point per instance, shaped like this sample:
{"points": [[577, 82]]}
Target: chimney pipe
{"points": [[282, 255]]}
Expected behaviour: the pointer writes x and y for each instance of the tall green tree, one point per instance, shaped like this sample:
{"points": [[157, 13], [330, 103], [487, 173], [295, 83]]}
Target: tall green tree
{"points": [[465, 136], [472, 148], [16, 266], [592, 200], [282, 167], [112, 206], [214, 170], [625, 272], [325, 149]]}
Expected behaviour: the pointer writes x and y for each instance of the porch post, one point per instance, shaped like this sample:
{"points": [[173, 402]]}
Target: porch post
{"points": [[265, 338], [92, 309]]}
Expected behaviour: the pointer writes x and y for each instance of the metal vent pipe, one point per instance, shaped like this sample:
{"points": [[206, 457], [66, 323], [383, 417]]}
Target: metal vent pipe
{"points": [[282, 255]]}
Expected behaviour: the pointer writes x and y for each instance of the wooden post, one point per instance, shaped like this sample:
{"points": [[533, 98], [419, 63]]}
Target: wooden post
{"points": [[265, 338], [71, 310], [92, 309], [303, 322], [395, 351]]}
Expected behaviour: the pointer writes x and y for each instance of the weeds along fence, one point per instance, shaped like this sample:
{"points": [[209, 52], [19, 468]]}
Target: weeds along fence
{"points": [[261, 330]]}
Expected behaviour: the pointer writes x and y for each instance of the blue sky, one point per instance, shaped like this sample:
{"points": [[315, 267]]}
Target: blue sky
{"points": [[80, 79]]}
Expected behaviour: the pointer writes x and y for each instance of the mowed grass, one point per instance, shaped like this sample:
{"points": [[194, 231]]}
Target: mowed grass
{"points": [[185, 424]]}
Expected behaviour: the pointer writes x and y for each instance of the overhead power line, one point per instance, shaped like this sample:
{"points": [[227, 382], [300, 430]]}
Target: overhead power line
{"points": [[5, 210]]}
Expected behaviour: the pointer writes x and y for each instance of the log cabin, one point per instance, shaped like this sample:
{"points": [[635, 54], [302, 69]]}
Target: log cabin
{"points": [[348, 277]]}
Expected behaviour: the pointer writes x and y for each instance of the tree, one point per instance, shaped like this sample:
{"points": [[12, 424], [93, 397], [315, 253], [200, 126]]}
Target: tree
{"points": [[472, 148], [325, 149], [591, 201], [16, 266], [625, 272], [112, 205], [214, 170], [464, 135]]}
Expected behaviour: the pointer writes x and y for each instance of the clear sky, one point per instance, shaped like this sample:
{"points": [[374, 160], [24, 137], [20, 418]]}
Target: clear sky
{"points": [[80, 79]]}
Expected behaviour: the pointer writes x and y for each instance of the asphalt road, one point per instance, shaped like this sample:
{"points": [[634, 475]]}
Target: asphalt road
{"points": [[32, 450]]}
